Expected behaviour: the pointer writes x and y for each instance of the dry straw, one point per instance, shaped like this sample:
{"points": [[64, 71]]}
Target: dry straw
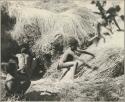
{"points": [[39, 27]]}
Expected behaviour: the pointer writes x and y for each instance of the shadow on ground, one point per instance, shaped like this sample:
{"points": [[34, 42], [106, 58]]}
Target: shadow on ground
{"points": [[42, 96]]}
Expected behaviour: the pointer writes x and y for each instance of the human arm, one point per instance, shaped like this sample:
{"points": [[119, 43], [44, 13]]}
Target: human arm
{"points": [[83, 51], [83, 61], [62, 59], [26, 60], [110, 10], [21, 76]]}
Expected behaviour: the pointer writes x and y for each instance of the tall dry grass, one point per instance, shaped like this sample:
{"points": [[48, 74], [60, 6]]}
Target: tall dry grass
{"points": [[44, 23], [41, 27]]}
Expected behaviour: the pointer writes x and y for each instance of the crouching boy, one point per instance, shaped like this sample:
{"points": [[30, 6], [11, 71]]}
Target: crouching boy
{"points": [[16, 82]]}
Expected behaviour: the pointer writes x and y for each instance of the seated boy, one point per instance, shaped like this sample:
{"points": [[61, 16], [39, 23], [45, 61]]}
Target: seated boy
{"points": [[16, 82], [70, 61], [24, 62]]}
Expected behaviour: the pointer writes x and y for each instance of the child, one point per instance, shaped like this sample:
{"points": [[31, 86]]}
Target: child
{"points": [[109, 17], [16, 82], [24, 61], [70, 61], [111, 13]]}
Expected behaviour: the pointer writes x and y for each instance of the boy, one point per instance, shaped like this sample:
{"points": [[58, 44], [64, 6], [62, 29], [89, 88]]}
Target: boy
{"points": [[24, 62], [70, 61], [111, 14], [108, 17], [16, 82]]}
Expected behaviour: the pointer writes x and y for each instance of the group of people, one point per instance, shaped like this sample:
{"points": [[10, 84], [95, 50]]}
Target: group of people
{"points": [[70, 60], [19, 69]]}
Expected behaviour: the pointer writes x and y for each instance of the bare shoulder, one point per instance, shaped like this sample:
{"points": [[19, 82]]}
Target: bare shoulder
{"points": [[27, 56], [18, 55], [79, 50], [68, 51]]}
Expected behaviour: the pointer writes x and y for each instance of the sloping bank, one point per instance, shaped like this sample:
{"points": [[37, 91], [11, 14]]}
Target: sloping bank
{"points": [[105, 83]]}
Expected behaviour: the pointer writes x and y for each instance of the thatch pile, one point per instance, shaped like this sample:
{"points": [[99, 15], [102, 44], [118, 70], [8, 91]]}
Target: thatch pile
{"points": [[55, 5], [39, 27], [51, 5], [108, 63]]}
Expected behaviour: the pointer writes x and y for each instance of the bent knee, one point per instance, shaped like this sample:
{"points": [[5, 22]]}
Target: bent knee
{"points": [[60, 65], [10, 85]]}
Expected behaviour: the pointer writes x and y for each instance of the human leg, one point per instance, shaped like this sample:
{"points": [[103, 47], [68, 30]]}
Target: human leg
{"points": [[68, 74], [10, 87], [65, 65], [23, 86], [101, 22]]}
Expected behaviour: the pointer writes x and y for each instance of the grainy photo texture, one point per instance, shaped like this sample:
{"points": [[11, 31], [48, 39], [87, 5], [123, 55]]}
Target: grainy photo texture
{"points": [[62, 50]]}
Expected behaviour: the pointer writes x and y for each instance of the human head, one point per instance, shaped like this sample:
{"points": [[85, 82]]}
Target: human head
{"points": [[12, 68], [117, 7], [92, 2], [14, 59], [72, 43], [104, 2], [23, 50]]}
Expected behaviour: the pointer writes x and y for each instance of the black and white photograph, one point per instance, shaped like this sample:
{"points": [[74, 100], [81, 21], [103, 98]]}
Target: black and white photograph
{"points": [[62, 50]]}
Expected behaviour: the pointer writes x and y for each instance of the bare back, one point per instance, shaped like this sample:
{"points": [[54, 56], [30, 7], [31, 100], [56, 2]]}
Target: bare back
{"points": [[23, 60]]}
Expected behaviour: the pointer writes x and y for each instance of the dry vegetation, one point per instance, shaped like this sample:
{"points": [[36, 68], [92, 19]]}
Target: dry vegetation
{"points": [[46, 26]]}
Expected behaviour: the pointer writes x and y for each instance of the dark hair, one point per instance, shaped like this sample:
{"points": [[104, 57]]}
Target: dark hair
{"points": [[25, 45], [11, 67], [23, 50], [92, 2], [104, 2], [14, 58], [122, 17], [72, 41], [117, 7]]}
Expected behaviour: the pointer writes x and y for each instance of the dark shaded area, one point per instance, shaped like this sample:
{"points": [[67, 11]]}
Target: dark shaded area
{"points": [[8, 45], [46, 59], [118, 70], [122, 17], [46, 96], [39, 70]]}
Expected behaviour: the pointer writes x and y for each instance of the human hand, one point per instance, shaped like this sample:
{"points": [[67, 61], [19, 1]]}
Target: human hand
{"points": [[120, 30]]}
